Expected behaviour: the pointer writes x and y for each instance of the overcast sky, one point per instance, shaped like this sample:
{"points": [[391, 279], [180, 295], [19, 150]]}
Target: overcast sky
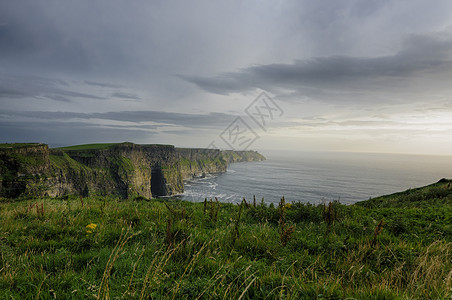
{"points": [[372, 76]]}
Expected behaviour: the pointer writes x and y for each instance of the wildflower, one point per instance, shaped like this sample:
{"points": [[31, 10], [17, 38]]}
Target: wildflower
{"points": [[90, 228], [288, 205]]}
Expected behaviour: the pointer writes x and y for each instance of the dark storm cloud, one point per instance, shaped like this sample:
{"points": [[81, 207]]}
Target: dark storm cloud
{"points": [[148, 41], [6, 92], [123, 95], [211, 120], [181, 119], [14, 86], [58, 133], [102, 84], [66, 128], [57, 98], [29, 38], [420, 55]]}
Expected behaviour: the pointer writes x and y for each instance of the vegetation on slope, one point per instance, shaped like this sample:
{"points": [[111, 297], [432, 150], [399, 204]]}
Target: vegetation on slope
{"points": [[17, 145], [434, 195], [65, 163], [103, 146], [108, 248], [87, 147]]}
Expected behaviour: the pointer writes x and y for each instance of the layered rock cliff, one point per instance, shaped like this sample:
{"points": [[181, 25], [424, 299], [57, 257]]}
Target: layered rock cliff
{"points": [[125, 170]]}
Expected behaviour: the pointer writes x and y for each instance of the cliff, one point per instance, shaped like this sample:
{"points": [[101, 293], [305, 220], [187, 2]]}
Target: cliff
{"points": [[22, 166], [241, 156], [199, 162], [126, 169]]}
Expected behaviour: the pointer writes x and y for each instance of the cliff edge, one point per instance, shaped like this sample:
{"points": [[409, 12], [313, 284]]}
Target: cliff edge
{"points": [[126, 169]]}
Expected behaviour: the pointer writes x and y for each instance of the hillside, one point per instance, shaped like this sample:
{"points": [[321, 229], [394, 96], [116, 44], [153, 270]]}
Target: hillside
{"points": [[106, 247], [434, 195]]}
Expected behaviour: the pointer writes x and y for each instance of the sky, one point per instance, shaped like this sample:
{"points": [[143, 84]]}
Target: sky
{"points": [[343, 75]]}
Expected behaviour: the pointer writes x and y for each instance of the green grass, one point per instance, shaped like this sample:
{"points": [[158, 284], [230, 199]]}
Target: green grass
{"points": [[24, 159], [65, 162], [104, 146], [182, 250], [433, 195], [18, 145], [88, 147]]}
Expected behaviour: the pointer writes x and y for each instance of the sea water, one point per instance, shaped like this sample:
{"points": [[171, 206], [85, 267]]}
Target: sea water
{"points": [[320, 177]]}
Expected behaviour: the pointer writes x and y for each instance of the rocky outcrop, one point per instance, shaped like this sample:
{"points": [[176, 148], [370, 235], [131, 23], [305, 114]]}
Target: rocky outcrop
{"points": [[241, 156], [200, 162], [126, 170]]}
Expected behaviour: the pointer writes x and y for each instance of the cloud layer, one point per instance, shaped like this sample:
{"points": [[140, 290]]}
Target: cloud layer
{"points": [[181, 71], [422, 57]]}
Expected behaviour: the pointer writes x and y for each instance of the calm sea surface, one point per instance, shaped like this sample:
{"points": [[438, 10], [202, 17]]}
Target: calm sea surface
{"points": [[317, 177]]}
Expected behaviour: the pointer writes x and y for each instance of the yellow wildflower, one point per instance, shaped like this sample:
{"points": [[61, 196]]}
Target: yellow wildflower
{"points": [[91, 226], [288, 205]]}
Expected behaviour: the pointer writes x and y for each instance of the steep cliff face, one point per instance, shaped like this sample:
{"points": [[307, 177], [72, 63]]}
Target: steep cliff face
{"points": [[125, 170]]}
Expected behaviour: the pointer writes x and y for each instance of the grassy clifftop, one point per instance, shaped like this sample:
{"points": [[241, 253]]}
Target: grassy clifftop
{"points": [[110, 248], [87, 147], [434, 195]]}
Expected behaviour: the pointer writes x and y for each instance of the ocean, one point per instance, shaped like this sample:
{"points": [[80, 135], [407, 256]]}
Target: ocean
{"points": [[320, 177]]}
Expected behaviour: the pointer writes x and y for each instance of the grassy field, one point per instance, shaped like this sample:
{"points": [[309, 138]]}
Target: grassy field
{"points": [[87, 147], [17, 145], [101, 146], [393, 247]]}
